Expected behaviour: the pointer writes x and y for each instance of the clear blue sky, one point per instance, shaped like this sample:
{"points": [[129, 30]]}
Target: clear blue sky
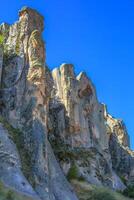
{"points": [[97, 36]]}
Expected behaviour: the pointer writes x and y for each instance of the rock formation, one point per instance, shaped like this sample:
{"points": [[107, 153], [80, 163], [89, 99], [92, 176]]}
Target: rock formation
{"points": [[52, 126]]}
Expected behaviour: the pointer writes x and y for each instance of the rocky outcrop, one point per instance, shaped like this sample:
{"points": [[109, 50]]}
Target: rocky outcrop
{"points": [[84, 120], [10, 166], [119, 145], [52, 127], [79, 126], [1, 63], [25, 96]]}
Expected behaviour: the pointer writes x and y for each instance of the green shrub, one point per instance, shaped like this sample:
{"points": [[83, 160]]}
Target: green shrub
{"points": [[73, 173], [123, 179], [129, 191], [81, 178], [10, 195]]}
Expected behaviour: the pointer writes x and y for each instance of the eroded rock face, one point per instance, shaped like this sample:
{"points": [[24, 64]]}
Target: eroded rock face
{"points": [[37, 105], [10, 166], [24, 104], [1, 63], [119, 143], [81, 114], [79, 128]]}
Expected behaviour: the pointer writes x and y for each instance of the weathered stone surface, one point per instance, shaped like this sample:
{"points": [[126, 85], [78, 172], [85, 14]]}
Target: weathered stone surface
{"points": [[37, 105], [79, 126], [1, 63], [84, 120], [10, 166], [119, 143], [60, 187], [118, 127], [25, 95]]}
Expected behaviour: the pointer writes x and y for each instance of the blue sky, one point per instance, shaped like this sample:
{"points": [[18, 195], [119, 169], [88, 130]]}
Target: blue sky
{"points": [[97, 36]]}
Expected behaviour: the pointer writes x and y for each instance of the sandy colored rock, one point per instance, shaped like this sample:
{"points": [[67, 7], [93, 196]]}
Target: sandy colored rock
{"points": [[52, 126]]}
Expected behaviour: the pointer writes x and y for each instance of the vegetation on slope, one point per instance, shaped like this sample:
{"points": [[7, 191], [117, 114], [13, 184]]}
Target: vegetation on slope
{"points": [[129, 191], [9, 194], [1, 39], [86, 191], [18, 138]]}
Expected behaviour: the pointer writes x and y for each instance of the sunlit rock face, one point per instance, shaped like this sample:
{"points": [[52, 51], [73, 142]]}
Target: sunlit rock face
{"points": [[52, 126], [25, 92], [79, 132], [82, 115], [119, 145]]}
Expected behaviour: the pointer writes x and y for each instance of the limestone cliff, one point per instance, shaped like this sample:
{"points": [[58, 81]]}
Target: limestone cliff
{"points": [[52, 127]]}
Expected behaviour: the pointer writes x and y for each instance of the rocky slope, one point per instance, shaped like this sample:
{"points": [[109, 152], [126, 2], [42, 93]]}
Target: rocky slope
{"points": [[52, 127]]}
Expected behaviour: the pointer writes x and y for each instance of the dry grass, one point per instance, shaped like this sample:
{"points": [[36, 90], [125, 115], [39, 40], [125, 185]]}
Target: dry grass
{"points": [[86, 191]]}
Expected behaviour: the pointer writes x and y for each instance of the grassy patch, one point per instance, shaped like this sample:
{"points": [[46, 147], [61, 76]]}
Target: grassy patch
{"points": [[9, 194], [129, 191], [85, 191]]}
